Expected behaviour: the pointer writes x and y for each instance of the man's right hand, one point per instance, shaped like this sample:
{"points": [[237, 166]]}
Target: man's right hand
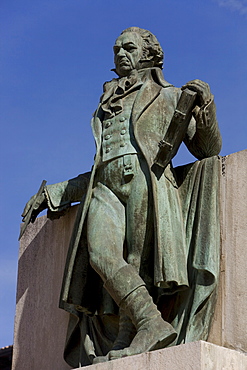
{"points": [[39, 206]]}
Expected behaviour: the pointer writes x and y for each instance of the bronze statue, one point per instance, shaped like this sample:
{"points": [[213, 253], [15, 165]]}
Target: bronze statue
{"points": [[143, 262]]}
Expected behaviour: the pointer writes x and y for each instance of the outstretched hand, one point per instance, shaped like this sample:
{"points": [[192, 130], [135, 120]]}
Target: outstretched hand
{"points": [[39, 206], [202, 89]]}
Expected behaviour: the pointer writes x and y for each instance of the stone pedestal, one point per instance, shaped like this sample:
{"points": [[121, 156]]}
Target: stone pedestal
{"points": [[229, 328], [197, 356], [40, 326]]}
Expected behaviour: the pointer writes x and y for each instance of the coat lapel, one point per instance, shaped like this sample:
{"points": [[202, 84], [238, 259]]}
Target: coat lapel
{"points": [[96, 124], [147, 94]]}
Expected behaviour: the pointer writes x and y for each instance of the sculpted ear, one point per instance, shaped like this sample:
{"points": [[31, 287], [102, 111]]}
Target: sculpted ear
{"points": [[146, 61], [146, 56]]}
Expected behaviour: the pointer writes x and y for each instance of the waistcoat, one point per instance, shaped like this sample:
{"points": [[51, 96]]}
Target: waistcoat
{"points": [[117, 132]]}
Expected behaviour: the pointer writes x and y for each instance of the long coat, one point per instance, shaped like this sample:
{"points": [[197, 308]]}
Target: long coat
{"points": [[186, 246]]}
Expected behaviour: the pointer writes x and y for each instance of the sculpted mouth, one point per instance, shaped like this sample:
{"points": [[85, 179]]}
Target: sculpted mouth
{"points": [[124, 62]]}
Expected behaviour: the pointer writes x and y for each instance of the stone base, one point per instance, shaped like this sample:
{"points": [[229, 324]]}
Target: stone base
{"points": [[197, 356], [229, 327], [40, 326]]}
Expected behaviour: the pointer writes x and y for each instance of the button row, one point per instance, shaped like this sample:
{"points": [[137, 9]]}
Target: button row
{"points": [[108, 136], [108, 149], [108, 123]]}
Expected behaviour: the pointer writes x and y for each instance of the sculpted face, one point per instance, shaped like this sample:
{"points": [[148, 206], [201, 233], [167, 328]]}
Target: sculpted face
{"points": [[128, 50]]}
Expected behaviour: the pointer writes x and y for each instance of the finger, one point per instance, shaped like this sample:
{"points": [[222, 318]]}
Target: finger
{"points": [[197, 83], [197, 86], [28, 205], [26, 209], [202, 90], [37, 204], [38, 201]]}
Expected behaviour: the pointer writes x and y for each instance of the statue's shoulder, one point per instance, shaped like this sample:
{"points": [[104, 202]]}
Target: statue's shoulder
{"points": [[167, 87], [170, 92], [108, 88]]}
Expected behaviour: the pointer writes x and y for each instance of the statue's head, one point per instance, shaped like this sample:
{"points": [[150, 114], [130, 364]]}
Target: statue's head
{"points": [[136, 48]]}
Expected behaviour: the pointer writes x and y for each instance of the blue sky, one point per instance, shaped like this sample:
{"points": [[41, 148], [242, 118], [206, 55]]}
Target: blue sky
{"points": [[55, 56]]}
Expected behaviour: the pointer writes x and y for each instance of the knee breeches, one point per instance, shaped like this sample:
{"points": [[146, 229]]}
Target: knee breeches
{"points": [[120, 218]]}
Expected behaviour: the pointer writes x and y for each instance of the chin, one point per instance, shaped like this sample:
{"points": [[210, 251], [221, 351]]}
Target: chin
{"points": [[123, 72]]}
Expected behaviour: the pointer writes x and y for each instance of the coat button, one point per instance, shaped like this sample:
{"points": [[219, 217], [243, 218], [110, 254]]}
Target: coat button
{"points": [[123, 132], [122, 145], [107, 150], [107, 137], [122, 119]]}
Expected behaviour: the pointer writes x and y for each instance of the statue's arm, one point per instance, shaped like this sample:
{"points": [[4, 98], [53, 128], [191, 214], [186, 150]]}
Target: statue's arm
{"points": [[58, 197], [203, 138], [62, 194]]}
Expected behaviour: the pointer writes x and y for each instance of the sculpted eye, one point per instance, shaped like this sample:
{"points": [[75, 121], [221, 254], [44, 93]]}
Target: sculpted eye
{"points": [[130, 48]]}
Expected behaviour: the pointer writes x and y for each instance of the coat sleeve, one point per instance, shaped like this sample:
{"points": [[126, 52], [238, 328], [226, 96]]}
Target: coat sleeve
{"points": [[60, 196], [203, 138]]}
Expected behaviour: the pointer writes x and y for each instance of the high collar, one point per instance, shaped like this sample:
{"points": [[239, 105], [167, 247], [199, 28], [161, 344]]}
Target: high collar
{"points": [[135, 76], [155, 73], [118, 88]]}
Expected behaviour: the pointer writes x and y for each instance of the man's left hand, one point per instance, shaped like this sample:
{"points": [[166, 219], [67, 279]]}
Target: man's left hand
{"points": [[202, 89]]}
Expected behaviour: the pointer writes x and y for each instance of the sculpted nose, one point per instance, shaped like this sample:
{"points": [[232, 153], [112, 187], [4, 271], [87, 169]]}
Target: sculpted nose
{"points": [[121, 52]]}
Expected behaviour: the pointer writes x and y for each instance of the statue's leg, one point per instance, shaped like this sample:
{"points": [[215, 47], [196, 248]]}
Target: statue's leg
{"points": [[139, 212], [140, 223], [139, 234], [106, 232], [129, 291], [152, 331], [126, 331], [106, 235]]}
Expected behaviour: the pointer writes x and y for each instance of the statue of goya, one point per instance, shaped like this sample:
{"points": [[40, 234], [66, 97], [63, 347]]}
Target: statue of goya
{"points": [[143, 262]]}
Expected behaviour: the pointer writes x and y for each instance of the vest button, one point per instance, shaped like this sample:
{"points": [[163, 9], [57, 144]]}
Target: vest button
{"points": [[122, 119], [122, 145], [123, 132], [107, 150], [107, 137], [108, 124]]}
